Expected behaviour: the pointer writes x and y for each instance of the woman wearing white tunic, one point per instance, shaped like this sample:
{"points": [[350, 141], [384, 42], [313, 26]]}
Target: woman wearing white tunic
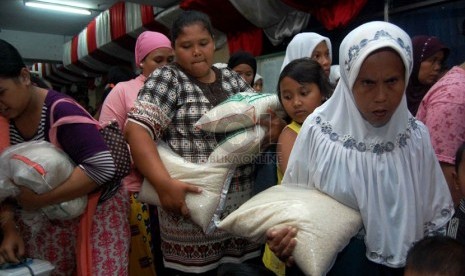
{"points": [[364, 148]]}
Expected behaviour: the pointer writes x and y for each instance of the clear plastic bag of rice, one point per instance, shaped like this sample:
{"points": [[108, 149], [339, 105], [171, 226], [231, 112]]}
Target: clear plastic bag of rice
{"points": [[324, 225], [41, 167], [239, 111], [204, 208], [240, 147]]}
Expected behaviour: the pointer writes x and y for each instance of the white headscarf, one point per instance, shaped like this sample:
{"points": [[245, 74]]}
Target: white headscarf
{"points": [[302, 45], [335, 74], [257, 77], [389, 173]]}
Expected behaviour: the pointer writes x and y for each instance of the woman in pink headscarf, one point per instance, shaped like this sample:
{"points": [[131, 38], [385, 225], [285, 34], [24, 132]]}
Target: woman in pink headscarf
{"points": [[152, 51]]}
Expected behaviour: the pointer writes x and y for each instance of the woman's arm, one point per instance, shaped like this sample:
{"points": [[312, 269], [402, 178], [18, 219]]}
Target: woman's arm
{"points": [[283, 149], [77, 185], [172, 192], [12, 246], [84, 144]]}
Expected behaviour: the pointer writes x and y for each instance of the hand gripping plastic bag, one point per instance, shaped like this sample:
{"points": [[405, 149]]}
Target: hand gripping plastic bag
{"points": [[324, 225], [214, 179]]}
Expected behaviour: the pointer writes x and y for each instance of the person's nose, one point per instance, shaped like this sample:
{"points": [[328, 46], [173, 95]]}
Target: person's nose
{"points": [[196, 51], [437, 66], [381, 94], [297, 102], [325, 61]]}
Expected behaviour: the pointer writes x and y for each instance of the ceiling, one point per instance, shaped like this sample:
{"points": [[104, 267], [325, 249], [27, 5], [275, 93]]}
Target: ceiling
{"points": [[14, 15]]}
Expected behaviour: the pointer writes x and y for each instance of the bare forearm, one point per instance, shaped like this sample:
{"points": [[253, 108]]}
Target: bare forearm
{"points": [[77, 185], [145, 155], [7, 216]]}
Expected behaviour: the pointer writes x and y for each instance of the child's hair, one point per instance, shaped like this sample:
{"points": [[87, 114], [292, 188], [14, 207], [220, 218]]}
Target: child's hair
{"points": [[11, 61], [458, 157], [187, 18], [306, 70], [437, 255]]}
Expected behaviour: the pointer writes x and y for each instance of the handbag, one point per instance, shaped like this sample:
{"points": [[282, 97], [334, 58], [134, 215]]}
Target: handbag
{"points": [[113, 137]]}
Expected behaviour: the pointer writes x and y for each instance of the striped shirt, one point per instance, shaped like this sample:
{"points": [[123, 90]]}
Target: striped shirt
{"points": [[82, 142]]}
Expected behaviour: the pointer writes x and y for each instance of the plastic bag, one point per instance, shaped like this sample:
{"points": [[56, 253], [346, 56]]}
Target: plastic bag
{"points": [[239, 111], [214, 179], [324, 225], [240, 147], [39, 166]]}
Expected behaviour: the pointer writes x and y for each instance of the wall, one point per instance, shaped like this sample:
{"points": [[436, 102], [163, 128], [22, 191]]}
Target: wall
{"points": [[36, 46]]}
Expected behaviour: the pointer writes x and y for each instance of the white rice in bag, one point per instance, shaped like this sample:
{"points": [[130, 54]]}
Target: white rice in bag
{"points": [[239, 111], [214, 179], [324, 225], [41, 167], [240, 147]]}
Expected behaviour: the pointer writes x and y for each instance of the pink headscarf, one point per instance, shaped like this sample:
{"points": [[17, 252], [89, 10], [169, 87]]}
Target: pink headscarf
{"points": [[149, 41]]}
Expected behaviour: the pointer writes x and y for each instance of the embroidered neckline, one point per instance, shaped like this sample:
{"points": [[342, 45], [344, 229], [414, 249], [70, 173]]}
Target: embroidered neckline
{"points": [[349, 141]]}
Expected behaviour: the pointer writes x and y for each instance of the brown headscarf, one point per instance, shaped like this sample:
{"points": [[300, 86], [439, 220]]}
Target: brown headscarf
{"points": [[423, 47]]}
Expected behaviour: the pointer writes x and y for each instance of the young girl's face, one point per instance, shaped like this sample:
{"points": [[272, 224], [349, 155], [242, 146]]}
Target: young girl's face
{"points": [[379, 87], [459, 177], [194, 48], [321, 55], [299, 100], [258, 85]]}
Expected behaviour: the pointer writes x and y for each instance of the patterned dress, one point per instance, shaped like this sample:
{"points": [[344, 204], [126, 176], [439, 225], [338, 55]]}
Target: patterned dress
{"points": [[116, 107], [55, 240], [168, 105]]}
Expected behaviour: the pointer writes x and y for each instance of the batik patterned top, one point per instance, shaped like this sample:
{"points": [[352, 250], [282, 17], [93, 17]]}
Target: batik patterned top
{"points": [[168, 105]]}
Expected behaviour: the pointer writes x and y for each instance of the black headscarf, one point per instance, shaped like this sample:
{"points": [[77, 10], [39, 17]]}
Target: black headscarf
{"points": [[243, 58]]}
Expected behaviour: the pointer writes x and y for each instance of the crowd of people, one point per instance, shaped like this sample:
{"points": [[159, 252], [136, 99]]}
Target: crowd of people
{"points": [[382, 132]]}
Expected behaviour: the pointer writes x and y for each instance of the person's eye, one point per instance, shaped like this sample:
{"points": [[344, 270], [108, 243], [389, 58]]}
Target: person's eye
{"points": [[367, 82], [170, 59], [287, 97], [392, 81], [204, 43]]}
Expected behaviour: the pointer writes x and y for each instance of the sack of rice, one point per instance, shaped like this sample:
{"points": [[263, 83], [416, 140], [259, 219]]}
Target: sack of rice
{"points": [[41, 167], [214, 179], [240, 147], [239, 111], [324, 225]]}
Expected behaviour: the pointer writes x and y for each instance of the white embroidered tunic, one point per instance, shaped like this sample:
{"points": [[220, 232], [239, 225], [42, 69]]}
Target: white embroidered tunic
{"points": [[389, 173]]}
